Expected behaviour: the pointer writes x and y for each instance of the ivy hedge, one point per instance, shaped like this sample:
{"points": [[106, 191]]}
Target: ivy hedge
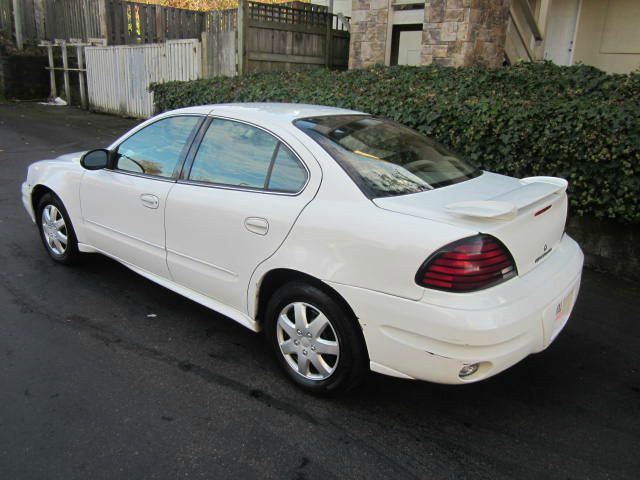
{"points": [[529, 119]]}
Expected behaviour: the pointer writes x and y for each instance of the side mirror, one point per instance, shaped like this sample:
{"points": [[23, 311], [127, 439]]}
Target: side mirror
{"points": [[95, 159]]}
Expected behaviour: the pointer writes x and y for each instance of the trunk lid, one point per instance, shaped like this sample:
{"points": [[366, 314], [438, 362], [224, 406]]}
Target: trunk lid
{"points": [[527, 215]]}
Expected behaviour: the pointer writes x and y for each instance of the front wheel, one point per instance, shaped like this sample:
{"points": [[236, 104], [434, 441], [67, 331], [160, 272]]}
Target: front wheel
{"points": [[56, 231], [316, 342]]}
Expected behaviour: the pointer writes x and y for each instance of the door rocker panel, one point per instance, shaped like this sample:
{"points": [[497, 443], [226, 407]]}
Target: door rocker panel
{"points": [[232, 313]]}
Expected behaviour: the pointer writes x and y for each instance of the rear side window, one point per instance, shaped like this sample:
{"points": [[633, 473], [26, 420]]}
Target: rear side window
{"points": [[384, 158], [157, 148], [287, 175], [239, 155]]}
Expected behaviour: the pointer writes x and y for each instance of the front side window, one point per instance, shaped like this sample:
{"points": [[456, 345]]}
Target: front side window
{"points": [[157, 148], [384, 158], [239, 155]]}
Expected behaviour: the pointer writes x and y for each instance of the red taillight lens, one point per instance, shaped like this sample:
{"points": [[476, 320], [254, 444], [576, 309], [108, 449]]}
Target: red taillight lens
{"points": [[469, 264]]}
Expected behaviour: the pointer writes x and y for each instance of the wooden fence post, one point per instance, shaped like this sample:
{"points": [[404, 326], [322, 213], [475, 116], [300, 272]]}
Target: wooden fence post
{"points": [[159, 24], [125, 21], [103, 14], [243, 32], [17, 21], [65, 65], [52, 72], [327, 50], [38, 15], [205, 53], [81, 82]]}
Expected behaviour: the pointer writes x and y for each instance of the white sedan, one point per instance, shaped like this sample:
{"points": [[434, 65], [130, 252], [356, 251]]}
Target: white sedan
{"points": [[355, 242]]}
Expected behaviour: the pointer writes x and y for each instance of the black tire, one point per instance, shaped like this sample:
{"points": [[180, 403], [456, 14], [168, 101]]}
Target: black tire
{"points": [[70, 254], [349, 367]]}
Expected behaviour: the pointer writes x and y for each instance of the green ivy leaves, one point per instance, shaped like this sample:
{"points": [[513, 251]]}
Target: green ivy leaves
{"points": [[529, 119]]}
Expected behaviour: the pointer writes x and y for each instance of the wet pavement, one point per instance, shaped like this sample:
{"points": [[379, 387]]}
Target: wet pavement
{"points": [[104, 374]]}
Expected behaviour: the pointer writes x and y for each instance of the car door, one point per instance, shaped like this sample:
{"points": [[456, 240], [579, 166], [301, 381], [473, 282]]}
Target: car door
{"points": [[235, 206], [123, 206]]}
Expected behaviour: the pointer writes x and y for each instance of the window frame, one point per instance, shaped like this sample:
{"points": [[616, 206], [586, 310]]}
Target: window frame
{"points": [[188, 164], [113, 153]]}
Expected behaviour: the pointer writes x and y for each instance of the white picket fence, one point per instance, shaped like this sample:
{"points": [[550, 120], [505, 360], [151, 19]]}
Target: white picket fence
{"points": [[118, 77]]}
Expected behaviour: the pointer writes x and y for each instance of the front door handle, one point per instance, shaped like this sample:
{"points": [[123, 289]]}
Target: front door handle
{"points": [[257, 225], [149, 200]]}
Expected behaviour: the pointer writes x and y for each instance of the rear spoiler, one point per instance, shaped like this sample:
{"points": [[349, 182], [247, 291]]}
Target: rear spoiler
{"points": [[507, 205]]}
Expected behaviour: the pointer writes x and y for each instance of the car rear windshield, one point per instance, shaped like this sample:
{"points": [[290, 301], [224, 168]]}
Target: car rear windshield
{"points": [[384, 158]]}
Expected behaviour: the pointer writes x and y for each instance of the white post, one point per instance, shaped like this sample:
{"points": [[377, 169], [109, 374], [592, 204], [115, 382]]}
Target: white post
{"points": [[81, 82], [65, 65], [52, 72]]}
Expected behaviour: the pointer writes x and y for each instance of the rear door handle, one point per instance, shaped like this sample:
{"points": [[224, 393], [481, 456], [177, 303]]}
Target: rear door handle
{"points": [[257, 225], [149, 200]]}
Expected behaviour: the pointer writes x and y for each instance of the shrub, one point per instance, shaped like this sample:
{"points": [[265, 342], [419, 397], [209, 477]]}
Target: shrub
{"points": [[529, 119]]}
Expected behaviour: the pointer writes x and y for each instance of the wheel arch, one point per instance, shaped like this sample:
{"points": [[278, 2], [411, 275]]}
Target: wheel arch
{"points": [[272, 280], [37, 193]]}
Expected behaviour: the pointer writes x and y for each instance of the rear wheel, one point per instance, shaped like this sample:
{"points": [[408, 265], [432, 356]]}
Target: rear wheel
{"points": [[56, 231], [316, 342]]}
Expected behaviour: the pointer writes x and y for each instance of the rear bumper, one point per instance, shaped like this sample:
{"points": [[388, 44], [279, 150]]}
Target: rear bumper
{"points": [[432, 339]]}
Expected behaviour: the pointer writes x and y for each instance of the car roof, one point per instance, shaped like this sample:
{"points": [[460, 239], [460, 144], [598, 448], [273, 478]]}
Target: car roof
{"points": [[266, 112]]}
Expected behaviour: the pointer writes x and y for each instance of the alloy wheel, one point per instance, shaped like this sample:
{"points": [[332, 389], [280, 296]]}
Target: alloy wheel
{"points": [[54, 230], [308, 341]]}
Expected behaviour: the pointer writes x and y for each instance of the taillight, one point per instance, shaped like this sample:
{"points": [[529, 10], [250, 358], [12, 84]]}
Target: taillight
{"points": [[469, 264]]}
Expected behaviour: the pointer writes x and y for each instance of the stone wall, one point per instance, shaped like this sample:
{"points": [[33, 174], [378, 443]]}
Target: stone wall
{"points": [[608, 246], [464, 32], [456, 32], [369, 20]]}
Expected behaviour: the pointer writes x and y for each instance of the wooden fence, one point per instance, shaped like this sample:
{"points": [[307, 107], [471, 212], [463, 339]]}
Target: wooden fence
{"points": [[268, 37], [37, 20], [137, 23], [286, 38], [118, 77], [148, 44], [223, 21], [81, 19], [6, 20], [219, 54], [274, 37], [120, 22], [220, 45]]}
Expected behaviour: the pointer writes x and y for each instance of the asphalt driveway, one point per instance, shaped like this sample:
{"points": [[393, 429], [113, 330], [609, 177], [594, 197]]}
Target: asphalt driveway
{"points": [[103, 374]]}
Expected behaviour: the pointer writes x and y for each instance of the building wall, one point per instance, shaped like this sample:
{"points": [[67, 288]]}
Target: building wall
{"points": [[369, 25], [455, 32], [465, 32], [608, 35]]}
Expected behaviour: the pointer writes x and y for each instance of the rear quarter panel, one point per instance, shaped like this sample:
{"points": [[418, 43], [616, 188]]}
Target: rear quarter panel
{"points": [[353, 242]]}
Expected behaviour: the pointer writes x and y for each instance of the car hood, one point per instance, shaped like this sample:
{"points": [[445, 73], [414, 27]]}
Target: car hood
{"points": [[66, 158], [527, 215], [70, 157]]}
